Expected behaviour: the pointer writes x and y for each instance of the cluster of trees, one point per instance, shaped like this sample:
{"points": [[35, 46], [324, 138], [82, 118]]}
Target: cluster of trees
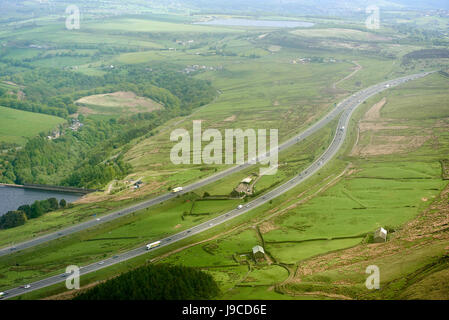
{"points": [[12, 219], [191, 92], [46, 161], [26, 212], [425, 54], [12, 102], [7, 145], [416, 34], [156, 282], [88, 176], [80, 158], [53, 91], [43, 55], [158, 94], [15, 64]]}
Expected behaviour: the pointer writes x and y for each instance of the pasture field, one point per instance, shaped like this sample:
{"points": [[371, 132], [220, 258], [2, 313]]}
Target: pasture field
{"points": [[58, 219], [413, 264], [57, 33], [363, 201], [17, 125], [346, 34], [291, 252]]}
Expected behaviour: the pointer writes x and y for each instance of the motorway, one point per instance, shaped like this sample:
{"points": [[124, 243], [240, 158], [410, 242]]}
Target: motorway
{"points": [[346, 108]]}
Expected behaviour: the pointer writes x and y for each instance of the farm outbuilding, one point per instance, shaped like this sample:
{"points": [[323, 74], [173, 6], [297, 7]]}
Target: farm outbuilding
{"points": [[380, 235], [258, 252]]}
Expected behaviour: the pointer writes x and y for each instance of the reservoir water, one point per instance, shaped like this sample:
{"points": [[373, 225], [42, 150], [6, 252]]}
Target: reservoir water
{"points": [[11, 198], [257, 23]]}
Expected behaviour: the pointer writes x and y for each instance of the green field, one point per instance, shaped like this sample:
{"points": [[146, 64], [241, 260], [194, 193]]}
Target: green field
{"points": [[16, 125], [347, 34], [394, 175]]}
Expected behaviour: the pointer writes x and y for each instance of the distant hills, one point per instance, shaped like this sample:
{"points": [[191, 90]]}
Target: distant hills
{"points": [[286, 7], [307, 6]]}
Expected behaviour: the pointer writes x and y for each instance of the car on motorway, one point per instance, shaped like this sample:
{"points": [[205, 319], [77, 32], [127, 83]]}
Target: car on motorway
{"points": [[2, 294], [240, 207], [27, 286], [101, 262]]}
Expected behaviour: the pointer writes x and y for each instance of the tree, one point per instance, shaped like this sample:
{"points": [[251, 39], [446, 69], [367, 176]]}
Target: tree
{"points": [[45, 204], [235, 194], [36, 210], [62, 203], [53, 202], [12, 219], [27, 209]]}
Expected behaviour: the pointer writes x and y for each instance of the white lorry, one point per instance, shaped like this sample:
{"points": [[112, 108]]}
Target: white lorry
{"points": [[176, 190], [153, 245]]}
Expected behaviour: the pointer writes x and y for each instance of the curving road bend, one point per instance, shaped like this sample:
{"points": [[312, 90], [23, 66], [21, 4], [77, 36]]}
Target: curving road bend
{"points": [[346, 107], [157, 200]]}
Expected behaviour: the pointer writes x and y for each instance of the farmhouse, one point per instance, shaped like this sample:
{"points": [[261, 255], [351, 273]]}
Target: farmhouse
{"points": [[76, 125], [247, 180], [380, 235], [258, 253], [54, 135], [245, 186]]}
